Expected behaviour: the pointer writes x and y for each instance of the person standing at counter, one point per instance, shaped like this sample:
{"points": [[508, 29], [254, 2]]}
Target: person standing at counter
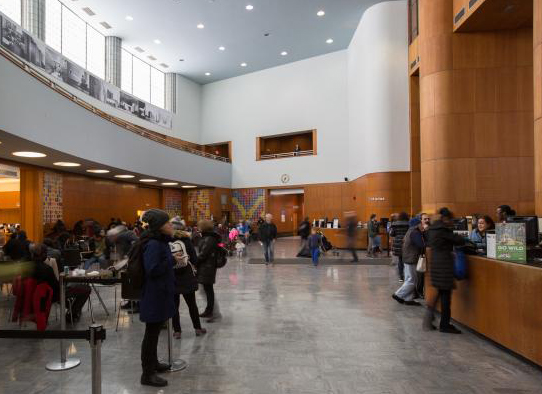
{"points": [[441, 239], [503, 212], [478, 235]]}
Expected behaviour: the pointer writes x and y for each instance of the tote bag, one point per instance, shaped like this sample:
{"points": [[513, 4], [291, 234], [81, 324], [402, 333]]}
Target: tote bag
{"points": [[422, 264]]}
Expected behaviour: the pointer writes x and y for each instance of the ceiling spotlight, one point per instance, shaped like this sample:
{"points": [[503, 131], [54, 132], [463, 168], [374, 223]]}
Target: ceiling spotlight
{"points": [[124, 176], [157, 41], [188, 186], [249, 7], [129, 18], [200, 26], [221, 48], [244, 64], [98, 171], [207, 74], [321, 13], [181, 60], [147, 180], [329, 40], [283, 53], [66, 164], [170, 183], [29, 154]]}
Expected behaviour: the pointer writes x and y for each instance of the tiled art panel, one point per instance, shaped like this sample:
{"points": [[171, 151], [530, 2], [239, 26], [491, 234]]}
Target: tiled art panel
{"points": [[173, 202], [52, 197], [199, 207], [248, 204]]}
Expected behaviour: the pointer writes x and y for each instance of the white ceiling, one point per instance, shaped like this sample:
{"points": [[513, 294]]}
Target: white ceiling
{"points": [[293, 26]]}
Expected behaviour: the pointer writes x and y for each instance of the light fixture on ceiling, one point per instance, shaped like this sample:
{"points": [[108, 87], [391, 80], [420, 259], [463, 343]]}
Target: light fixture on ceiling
{"points": [[124, 176], [129, 18], [66, 164], [200, 26], [249, 7], [170, 183], [148, 180], [321, 13], [157, 41], [329, 41], [221, 48], [207, 74], [181, 60], [188, 186], [29, 154], [244, 64], [283, 53], [98, 171]]}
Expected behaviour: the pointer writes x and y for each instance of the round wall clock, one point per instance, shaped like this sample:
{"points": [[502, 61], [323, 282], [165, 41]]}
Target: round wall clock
{"points": [[285, 178]]}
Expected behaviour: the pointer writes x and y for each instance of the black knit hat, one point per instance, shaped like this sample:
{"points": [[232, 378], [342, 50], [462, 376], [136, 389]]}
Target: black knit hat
{"points": [[155, 218]]}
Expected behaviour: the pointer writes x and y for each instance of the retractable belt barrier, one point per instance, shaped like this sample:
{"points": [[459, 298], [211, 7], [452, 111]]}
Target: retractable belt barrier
{"points": [[95, 335]]}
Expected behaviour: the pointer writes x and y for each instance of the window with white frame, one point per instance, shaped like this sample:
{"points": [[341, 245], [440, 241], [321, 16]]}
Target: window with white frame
{"points": [[12, 9], [53, 24], [158, 87], [74, 37], [126, 72], [95, 52], [141, 79]]}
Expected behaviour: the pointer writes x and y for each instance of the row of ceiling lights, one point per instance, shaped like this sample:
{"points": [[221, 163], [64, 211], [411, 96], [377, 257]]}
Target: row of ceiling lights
{"points": [[248, 7], [35, 155]]}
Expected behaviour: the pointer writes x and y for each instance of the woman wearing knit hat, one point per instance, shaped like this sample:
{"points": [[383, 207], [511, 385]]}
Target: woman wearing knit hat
{"points": [[157, 303]]}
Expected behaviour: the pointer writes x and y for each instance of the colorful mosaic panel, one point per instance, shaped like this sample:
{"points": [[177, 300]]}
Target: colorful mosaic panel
{"points": [[199, 207], [248, 204], [173, 202], [52, 197]]}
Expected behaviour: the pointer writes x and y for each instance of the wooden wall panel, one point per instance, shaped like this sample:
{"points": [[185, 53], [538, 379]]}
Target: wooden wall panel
{"points": [[537, 104], [10, 200], [31, 202], [10, 215], [217, 208], [289, 208]]}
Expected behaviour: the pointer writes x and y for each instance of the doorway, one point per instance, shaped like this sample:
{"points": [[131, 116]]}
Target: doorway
{"points": [[287, 208], [10, 199]]}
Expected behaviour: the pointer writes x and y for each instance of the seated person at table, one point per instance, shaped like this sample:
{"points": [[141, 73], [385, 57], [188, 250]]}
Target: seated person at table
{"points": [[14, 249], [44, 273], [98, 247], [478, 235], [52, 251]]}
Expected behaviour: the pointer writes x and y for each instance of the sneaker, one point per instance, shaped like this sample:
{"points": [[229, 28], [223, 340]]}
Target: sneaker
{"points": [[153, 380], [398, 299], [200, 332], [401, 280], [412, 303], [177, 335], [206, 314], [450, 330]]}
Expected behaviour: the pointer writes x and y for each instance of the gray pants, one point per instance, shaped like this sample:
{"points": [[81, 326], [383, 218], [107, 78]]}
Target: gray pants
{"points": [[268, 251], [408, 290]]}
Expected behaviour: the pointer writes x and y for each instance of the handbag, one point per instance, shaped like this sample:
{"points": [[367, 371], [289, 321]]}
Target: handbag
{"points": [[422, 264]]}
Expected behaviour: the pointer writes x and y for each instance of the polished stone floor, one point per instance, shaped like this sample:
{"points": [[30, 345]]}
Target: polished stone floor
{"points": [[285, 329]]}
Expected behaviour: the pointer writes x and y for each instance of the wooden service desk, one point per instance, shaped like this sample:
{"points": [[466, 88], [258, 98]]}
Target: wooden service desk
{"points": [[501, 301]]}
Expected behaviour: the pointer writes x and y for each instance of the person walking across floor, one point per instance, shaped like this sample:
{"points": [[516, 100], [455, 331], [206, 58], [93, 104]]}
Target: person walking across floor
{"points": [[207, 266], [372, 232], [351, 233], [268, 235], [441, 239], [157, 295], [413, 248], [398, 230], [315, 242]]}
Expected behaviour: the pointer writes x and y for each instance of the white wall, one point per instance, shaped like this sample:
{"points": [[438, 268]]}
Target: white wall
{"points": [[378, 91], [305, 95], [187, 119]]}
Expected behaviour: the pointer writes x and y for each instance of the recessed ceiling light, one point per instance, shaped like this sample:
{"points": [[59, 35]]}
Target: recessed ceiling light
{"points": [[181, 60], [249, 7], [147, 180], [28, 154], [124, 176], [98, 171], [170, 183], [329, 40], [157, 41], [188, 186], [321, 13], [200, 26], [221, 48], [283, 53], [66, 164], [207, 74], [129, 18], [244, 64]]}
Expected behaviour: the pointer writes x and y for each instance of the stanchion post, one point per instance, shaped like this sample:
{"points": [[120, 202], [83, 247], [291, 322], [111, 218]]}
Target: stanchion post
{"points": [[174, 365], [96, 352]]}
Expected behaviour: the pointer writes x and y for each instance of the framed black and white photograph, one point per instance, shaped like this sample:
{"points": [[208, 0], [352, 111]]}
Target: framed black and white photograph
{"points": [[129, 103], [14, 38], [96, 88], [112, 95], [54, 63], [76, 76], [36, 52]]}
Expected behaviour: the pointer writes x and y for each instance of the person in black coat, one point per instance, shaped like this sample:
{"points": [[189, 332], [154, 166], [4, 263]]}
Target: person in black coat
{"points": [[206, 265], [441, 239], [14, 248], [268, 235], [398, 231], [156, 304], [186, 282]]}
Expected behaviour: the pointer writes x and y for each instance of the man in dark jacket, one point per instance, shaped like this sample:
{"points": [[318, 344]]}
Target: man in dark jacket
{"points": [[398, 231], [157, 303], [268, 235], [441, 239], [206, 265], [351, 233]]}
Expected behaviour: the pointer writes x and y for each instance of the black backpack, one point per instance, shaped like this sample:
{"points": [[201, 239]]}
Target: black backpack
{"points": [[221, 256], [135, 273]]}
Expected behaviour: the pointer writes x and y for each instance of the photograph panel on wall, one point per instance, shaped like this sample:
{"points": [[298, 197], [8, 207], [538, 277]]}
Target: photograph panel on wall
{"points": [[96, 87], [129, 103], [76, 76], [112, 95], [36, 52], [14, 38], [54, 63]]}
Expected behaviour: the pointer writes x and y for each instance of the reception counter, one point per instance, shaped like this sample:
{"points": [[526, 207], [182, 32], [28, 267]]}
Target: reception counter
{"points": [[339, 239], [502, 301]]}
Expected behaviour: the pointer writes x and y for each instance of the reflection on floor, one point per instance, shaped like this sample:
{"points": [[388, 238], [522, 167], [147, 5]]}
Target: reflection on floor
{"points": [[286, 329]]}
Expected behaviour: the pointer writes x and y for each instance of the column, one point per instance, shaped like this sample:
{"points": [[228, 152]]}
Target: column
{"points": [[31, 185], [171, 92], [33, 17], [113, 60], [537, 45]]}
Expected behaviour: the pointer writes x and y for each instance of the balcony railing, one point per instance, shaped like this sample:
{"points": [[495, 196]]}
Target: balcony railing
{"points": [[142, 131], [287, 154]]}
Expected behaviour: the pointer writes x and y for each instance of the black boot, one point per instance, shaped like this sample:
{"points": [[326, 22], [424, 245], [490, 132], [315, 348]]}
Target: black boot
{"points": [[153, 380], [162, 367]]}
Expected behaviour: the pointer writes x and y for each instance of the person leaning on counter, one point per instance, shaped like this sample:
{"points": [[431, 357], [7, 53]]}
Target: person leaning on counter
{"points": [[479, 234]]}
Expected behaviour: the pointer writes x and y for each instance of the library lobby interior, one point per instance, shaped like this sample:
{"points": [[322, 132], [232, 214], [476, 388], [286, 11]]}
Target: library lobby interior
{"points": [[270, 196]]}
